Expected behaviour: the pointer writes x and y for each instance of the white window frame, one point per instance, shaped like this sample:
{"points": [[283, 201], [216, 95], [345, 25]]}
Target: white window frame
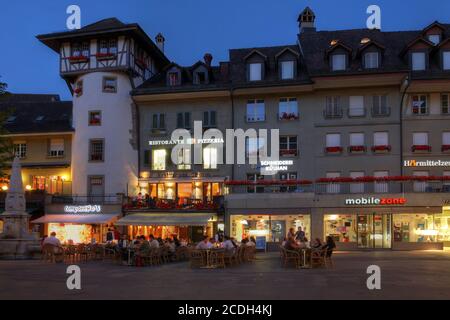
{"points": [[333, 188], [333, 140], [20, 149], [210, 158], [357, 187], [157, 156], [381, 138], [381, 187], [417, 101], [339, 62], [56, 148], [420, 186], [418, 61], [287, 69], [420, 138], [356, 106], [445, 103], [371, 60], [446, 60], [255, 71], [446, 138], [357, 139], [256, 110], [288, 106], [184, 159]]}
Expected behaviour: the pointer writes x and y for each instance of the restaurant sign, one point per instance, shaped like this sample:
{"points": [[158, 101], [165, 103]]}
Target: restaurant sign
{"points": [[83, 209], [426, 163], [375, 201], [272, 167]]}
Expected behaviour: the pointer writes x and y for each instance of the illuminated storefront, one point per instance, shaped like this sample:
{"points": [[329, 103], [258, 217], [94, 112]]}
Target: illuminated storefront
{"points": [[273, 227]]}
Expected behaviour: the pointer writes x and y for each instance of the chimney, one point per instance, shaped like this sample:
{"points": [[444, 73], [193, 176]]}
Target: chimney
{"points": [[208, 59], [160, 41], [306, 20]]}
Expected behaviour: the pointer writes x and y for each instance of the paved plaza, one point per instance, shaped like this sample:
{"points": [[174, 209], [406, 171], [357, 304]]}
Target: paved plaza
{"points": [[405, 275]]}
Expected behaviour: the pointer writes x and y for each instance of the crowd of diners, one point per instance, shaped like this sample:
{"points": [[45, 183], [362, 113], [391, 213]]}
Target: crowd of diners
{"points": [[296, 240]]}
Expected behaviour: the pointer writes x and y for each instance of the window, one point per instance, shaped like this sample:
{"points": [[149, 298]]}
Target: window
{"points": [[420, 186], [446, 60], [109, 85], [338, 62], [446, 138], [445, 108], [159, 160], [11, 119], [333, 107], [20, 150], [81, 49], [356, 187], [200, 77], [434, 38], [56, 148], [381, 186], [356, 108], [255, 71], [209, 119], [288, 176], [381, 139], [255, 177], [371, 60], [357, 139], [253, 146], [107, 47], [95, 118], [420, 138], [333, 187], [78, 91], [158, 121], [419, 104], [174, 78], [210, 157], [418, 61], [288, 146], [256, 111], [184, 159], [96, 150], [288, 109], [287, 70], [184, 120], [39, 183], [333, 140], [379, 106]]}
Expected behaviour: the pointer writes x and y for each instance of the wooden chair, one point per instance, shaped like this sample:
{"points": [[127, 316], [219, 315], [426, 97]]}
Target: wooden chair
{"points": [[197, 258], [165, 254], [230, 257], [181, 254], [289, 256], [52, 253], [217, 258], [70, 253], [318, 258], [82, 252]]}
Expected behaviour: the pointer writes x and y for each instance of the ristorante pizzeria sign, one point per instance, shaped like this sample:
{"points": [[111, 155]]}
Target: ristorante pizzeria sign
{"points": [[369, 201], [83, 209]]}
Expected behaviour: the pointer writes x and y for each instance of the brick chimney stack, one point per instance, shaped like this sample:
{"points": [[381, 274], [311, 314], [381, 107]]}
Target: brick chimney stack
{"points": [[208, 59], [160, 40]]}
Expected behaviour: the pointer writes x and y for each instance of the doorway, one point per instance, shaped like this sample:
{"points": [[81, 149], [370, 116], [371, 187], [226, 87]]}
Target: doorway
{"points": [[375, 231], [96, 189]]}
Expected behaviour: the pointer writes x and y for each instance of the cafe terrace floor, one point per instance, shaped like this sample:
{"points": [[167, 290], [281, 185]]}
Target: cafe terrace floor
{"points": [[404, 275]]}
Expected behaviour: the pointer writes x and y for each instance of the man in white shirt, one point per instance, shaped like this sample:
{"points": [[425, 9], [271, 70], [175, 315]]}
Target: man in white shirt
{"points": [[52, 240], [154, 244], [228, 244], [204, 245]]}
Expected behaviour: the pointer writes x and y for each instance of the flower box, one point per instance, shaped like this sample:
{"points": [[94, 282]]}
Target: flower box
{"points": [[356, 149], [445, 147], [288, 116], [78, 92], [292, 153], [78, 59], [421, 148], [381, 148], [105, 56], [333, 150]]}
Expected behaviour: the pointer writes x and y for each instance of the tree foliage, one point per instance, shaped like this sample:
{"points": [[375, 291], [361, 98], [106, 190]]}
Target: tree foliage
{"points": [[5, 142]]}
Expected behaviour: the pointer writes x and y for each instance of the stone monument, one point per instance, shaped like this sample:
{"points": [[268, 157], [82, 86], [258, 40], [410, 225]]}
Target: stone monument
{"points": [[16, 242]]}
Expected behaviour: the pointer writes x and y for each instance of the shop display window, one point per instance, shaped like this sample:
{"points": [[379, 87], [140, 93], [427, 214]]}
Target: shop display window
{"points": [[421, 227], [341, 227]]}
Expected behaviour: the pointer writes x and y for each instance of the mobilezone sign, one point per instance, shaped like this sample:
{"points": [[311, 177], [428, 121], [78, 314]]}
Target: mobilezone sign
{"points": [[375, 201]]}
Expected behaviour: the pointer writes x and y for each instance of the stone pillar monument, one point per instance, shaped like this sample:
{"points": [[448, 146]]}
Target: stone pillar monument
{"points": [[16, 242]]}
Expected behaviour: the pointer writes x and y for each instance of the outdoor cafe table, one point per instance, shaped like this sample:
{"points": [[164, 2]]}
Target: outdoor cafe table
{"points": [[305, 254], [208, 252]]}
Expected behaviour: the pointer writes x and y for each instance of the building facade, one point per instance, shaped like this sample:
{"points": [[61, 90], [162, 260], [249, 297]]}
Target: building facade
{"points": [[362, 117]]}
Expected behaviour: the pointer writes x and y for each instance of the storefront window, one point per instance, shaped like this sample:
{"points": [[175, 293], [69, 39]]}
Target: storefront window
{"points": [[341, 227], [273, 227], [38, 183], [1, 226], [76, 233], [159, 160], [420, 227], [185, 190]]}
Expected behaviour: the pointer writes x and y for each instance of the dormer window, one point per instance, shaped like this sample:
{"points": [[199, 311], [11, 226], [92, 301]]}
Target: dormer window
{"points": [[200, 73], [434, 38], [255, 71], [371, 60], [199, 77], [287, 70], [446, 60], [418, 61], [39, 118], [173, 78], [339, 62]]}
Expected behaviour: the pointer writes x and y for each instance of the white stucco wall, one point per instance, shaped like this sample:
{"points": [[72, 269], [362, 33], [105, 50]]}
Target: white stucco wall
{"points": [[120, 167]]}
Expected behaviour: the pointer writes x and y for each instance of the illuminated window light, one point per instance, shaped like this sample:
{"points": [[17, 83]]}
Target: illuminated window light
{"points": [[333, 42], [365, 40]]}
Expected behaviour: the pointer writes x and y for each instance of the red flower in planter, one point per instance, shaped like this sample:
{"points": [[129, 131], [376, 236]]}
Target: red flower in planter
{"points": [[420, 148], [445, 147], [381, 148], [333, 149], [100, 55], [357, 148], [76, 59], [288, 152]]}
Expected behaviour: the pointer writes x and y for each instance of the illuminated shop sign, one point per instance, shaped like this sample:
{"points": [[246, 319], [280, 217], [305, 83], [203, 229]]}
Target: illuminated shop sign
{"points": [[83, 209], [275, 166], [426, 163], [375, 201], [187, 141]]}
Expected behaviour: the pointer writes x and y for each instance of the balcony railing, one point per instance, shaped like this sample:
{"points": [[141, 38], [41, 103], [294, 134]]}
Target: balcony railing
{"points": [[381, 111], [90, 199], [333, 113], [179, 204]]}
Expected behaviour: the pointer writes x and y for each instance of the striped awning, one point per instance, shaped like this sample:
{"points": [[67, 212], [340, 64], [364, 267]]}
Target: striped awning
{"points": [[166, 219], [77, 218]]}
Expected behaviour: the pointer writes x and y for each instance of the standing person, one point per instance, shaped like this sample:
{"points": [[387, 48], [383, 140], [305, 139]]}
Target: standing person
{"points": [[330, 245], [110, 235], [291, 233], [300, 235]]}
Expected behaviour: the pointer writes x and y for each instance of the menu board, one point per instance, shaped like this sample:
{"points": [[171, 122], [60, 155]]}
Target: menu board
{"points": [[261, 243]]}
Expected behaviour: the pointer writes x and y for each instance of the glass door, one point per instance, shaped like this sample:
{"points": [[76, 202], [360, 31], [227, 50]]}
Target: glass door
{"points": [[374, 231]]}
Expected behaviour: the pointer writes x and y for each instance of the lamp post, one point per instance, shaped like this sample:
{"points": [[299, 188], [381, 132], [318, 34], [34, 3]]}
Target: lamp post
{"points": [[406, 83]]}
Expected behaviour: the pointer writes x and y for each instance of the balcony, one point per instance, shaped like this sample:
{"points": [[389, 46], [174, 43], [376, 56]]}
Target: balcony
{"points": [[86, 200], [334, 150], [179, 204], [286, 116], [357, 149], [381, 149], [445, 148], [421, 148]]}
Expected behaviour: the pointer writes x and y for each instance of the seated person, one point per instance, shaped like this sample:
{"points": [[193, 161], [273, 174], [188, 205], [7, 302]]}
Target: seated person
{"points": [[330, 245], [228, 245], [205, 244], [291, 244], [52, 240], [317, 244]]}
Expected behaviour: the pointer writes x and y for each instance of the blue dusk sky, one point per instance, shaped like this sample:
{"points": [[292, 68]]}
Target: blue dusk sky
{"points": [[191, 28]]}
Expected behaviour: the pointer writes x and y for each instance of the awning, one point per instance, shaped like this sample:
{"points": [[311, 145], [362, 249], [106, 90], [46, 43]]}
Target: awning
{"points": [[166, 219], [77, 218]]}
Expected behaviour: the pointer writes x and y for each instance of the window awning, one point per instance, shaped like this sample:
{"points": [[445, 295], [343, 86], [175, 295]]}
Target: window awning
{"points": [[77, 218], [166, 219]]}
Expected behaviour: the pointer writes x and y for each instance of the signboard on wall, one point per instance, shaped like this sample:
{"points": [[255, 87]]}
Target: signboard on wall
{"points": [[83, 209]]}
